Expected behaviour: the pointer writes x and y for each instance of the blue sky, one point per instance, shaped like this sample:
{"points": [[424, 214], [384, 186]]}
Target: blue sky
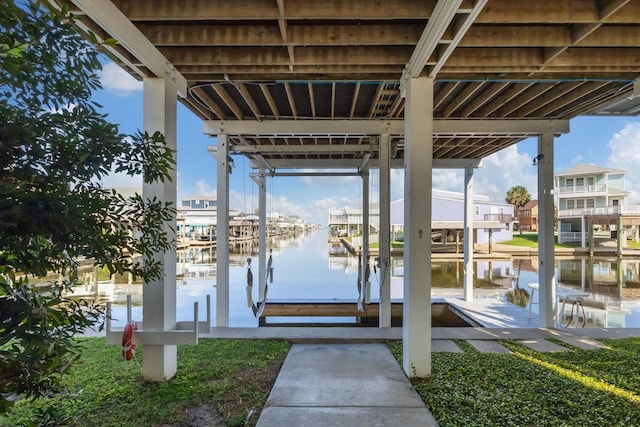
{"points": [[603, 141]]}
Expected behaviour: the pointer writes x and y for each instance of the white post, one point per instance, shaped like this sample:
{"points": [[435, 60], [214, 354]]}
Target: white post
{"points": [[468, 234], [384, 255], [583, 229], [222, 248], [547, 278], [418, 164], [262, 235], [365, 233], [159, 296]]}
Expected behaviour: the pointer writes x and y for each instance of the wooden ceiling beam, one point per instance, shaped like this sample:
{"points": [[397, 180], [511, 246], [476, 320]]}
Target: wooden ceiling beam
{"points": [[515, 36], [532, 93], [302, 69], [354, 99], [374, 100], [242, 88], [312, 99], [556, 92], [444, 93], [249, 10], [205, 99], [510, 93], [483, 98], [270, 100], [222, 93], [361, 55], [583, 91], [611, 56], [539, 12], [291, 99], [462, 98]]}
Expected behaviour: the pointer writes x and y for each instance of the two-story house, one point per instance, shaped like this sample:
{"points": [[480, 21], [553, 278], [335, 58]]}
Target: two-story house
{"points": [[528, 216], [586, 192]]}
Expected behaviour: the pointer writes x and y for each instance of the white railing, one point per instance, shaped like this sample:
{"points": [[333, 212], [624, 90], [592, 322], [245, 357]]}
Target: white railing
{"points": [[573, 189], [607, 210], [569, 236]]}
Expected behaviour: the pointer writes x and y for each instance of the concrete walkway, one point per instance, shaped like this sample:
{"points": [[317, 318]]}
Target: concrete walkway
{"points": [[343, 385]]}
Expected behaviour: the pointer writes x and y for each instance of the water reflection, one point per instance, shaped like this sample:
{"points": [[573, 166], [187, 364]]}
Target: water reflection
{"points": [[307, 267]]}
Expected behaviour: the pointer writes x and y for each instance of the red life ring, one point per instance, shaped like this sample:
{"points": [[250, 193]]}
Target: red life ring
{"points": [[128, 347]]}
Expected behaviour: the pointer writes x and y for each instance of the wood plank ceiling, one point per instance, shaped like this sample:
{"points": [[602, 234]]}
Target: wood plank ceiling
{"points": [[264, 60]]}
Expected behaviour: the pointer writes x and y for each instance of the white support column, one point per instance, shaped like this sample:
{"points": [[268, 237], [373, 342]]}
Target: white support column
{"points": [[262, 235], [159, 296], [418, 162], [366, 295], [385, 232], [222, 248], [583, 233], [547, 278], [468, 234]]}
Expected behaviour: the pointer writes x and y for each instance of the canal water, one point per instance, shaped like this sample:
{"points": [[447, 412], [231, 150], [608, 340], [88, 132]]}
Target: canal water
{"points": [[307, 267]]}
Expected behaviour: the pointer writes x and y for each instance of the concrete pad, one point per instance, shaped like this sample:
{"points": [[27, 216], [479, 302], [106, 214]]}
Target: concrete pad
{"points": [[583, 343], [542, 345], [343, 416], [444, 346], [342, 375], [487, 346]]}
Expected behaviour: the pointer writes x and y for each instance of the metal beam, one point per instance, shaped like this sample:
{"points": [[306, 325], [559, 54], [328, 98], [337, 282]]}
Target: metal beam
{"points": [[308, 173], [437, 24], [280, 164], [118, 26], [283, 128], [300, 149]]}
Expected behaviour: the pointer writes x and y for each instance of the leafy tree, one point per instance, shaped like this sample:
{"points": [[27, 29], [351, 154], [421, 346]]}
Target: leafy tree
{"points": [[518, 196], [54, 147]]}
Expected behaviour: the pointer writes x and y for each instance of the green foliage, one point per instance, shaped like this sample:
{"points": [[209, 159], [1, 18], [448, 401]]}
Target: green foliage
{"points": [[570, 388], [54, 147], [229, 377]]}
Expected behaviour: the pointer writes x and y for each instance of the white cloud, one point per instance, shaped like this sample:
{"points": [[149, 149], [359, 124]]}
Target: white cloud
{"points": [[498, 173], [115, 78], [625, 155], [503, 170], [203, 188]]}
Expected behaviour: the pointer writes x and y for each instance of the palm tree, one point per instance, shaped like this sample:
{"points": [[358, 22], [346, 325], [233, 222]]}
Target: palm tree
{"points": [[518, 196]]}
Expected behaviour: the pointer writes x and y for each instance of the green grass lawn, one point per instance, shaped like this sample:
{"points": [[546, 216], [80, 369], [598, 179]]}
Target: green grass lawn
{"points": [[530, 240], [229, 381], [225, 379], [527, 388]]}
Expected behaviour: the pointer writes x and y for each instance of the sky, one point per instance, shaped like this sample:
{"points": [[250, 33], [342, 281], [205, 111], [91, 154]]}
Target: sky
{"points": [[603, 141]]}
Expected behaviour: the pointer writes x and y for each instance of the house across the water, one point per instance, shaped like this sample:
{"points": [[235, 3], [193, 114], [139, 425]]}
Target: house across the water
{"points": [[591, 197], [490, 219]]}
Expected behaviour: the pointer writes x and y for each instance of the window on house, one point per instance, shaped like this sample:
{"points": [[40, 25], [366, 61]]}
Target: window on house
{"points": [[580, 204], [477, 210], [579, 182], [568, 182], [591, 203], [571, 204]]}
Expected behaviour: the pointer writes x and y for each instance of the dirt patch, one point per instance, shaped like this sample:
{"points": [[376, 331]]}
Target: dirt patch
{"points": [[201, 416]]}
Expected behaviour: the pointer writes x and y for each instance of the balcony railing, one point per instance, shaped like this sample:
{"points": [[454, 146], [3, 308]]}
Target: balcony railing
{"points": [[574, 189], [608, 210], [502, 218]]}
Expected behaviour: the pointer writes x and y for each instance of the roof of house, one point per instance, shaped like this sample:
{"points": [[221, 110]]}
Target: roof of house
{"points": [[532, 204], [585, 168], [617, 192]]}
